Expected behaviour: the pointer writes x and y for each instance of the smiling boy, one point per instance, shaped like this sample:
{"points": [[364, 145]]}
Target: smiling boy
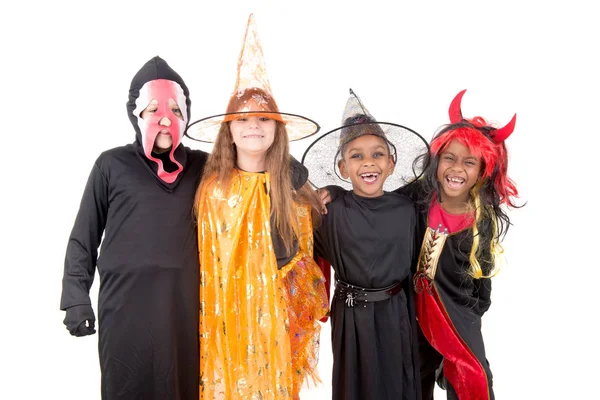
{"points": [[368, 236]]}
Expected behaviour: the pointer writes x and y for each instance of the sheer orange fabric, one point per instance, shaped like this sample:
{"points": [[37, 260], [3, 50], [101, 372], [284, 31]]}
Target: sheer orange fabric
{"points": [[307, 303], [258, 329]]}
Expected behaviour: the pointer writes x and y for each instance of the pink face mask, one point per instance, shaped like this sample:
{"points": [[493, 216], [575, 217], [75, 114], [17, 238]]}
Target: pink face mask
{"points": [[161, 90]]}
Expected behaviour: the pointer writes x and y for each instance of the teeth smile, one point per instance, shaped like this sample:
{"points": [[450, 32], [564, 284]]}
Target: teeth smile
{"points": [[370, 177], [455, 182]]}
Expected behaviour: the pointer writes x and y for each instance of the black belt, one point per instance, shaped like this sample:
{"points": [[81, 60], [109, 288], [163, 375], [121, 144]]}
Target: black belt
{"points": [[356, 295]]}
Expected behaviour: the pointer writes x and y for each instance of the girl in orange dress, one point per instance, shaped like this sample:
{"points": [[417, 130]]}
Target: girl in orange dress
{"points": [[261, 293]]}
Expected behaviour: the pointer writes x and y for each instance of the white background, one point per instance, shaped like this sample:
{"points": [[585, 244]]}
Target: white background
{"points": [[66, 68]]}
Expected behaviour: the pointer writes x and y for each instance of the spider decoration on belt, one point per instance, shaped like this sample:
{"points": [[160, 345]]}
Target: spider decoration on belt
{"points": [[350, 297]]}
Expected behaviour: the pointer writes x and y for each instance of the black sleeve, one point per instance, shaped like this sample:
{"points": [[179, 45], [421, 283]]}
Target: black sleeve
{"points": [[82, 249], [335, 191], [410, 190], [483, 286], [298, 172], [411, 302], [281, 254], [321, 241], [415, 246], [483, 292], [321, 255]]}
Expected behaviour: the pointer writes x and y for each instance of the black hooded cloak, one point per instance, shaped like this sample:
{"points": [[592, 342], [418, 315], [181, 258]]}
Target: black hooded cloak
{"points": [[148, 264]]}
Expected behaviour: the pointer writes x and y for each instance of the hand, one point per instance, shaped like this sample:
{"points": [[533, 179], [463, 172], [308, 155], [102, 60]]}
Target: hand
{"points": [[80, 320], [325, 198]]}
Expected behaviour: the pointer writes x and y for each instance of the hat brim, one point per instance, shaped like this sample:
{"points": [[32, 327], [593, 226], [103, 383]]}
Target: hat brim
{"points": [[206, 129], [321, 157]]}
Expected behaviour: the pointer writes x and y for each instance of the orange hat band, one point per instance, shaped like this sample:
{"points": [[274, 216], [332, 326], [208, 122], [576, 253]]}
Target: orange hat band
{"points": [[271, 115]]}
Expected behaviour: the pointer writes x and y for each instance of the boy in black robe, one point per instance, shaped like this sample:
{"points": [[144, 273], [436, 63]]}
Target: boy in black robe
{"points": [[368, 236]]}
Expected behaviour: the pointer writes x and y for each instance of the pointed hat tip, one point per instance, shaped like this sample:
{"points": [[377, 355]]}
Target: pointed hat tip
{"points": [[251, 27]]}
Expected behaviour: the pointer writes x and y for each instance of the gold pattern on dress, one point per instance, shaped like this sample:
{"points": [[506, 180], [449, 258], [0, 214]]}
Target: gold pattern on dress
{"points": [[262, 278], [234, 201], [241, 384], [251, 352], [302, 212], [431, 249], [257, 396], [217, 193], [310, 245], [250, 311], [202, 278]]}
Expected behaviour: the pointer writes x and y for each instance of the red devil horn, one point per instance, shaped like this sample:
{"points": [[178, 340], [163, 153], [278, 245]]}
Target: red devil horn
{"points": [[500, 135], [454, 111]]}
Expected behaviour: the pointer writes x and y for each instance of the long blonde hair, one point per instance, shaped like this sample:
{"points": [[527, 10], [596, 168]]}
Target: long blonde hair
{"points": [[220, 167]]}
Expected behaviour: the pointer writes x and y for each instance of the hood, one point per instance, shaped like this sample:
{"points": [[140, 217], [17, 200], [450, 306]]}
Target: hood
{"points": [[157, 76]]}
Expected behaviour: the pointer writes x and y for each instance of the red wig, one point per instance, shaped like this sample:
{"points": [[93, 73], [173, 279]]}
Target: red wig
{"points": [[485, 142]]}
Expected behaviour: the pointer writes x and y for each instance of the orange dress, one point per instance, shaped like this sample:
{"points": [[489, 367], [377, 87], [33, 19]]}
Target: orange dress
{"points": [[259, 333]]}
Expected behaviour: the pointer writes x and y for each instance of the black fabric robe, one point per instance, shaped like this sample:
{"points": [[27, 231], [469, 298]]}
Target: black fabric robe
{"points": [[370, 243], [148, 266], [463, 298]]}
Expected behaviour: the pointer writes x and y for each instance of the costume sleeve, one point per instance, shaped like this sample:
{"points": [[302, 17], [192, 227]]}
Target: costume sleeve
{"points": [[483, 287], [483, 291], [281, 253], [321, 256], [298, 176], [321, 240], [298, 173], [335, 191], [410, 190], [415, 246], [82, 248]]}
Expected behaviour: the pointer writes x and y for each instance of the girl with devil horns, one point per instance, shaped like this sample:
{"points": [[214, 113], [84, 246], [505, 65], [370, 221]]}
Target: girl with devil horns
{"points": [[461, 222]]}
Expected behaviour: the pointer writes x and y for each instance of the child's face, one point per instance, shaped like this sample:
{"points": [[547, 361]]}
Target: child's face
{"points": [[253, 135], [458, 171], [367, 162]]}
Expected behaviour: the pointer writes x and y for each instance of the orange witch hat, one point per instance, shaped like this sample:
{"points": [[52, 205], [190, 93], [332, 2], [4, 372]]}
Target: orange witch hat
{"points": [[251, 95]]}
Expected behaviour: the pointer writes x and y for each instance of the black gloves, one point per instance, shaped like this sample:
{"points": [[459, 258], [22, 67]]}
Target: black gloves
{"points": [[80, 320]]}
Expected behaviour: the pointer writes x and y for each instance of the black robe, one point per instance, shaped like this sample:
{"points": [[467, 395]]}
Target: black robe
{"points": [[148, 265], [370, 243], [457, 300]]}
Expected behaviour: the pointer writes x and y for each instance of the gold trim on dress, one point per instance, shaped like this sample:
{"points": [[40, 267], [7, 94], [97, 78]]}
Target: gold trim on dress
{"points": [[431, 249]]}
